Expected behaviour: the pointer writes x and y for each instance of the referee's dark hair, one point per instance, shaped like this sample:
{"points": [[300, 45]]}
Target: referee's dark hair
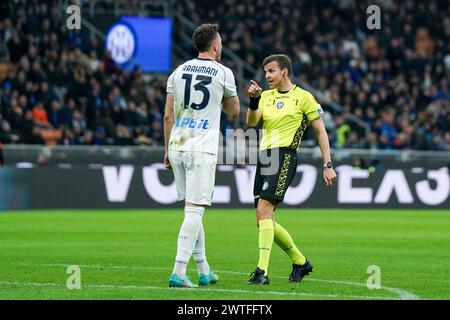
{"points": [[205, 35], [284, 62]]}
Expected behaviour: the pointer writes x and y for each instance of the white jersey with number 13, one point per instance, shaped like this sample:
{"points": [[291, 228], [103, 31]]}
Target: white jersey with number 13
{"points": [[199, 86]]}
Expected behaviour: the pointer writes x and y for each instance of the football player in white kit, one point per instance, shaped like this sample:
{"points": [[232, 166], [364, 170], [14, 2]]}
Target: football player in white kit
{"points": [[197, 92]]}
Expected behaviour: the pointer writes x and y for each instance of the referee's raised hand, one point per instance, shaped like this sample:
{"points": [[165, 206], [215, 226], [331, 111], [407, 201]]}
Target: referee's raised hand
{"points": [[254, 90]]}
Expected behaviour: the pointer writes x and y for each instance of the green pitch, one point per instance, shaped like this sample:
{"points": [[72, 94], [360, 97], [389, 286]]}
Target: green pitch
{"points": [[129, 254]]}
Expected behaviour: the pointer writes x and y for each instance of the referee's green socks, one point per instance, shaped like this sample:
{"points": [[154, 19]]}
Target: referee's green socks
{"points": [[284, 240], [266, 235]]}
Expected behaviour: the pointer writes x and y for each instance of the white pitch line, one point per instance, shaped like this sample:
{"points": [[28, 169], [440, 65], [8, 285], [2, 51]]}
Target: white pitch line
{"points": [[403, 294], [100, 286]]}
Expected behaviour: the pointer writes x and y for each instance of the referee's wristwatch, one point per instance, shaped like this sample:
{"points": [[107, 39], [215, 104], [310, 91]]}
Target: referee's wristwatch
{"points": [[328, 165]]}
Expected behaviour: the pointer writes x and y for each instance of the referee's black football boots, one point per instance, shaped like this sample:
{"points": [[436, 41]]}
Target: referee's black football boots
{"points": [[299, 271], [258, 277]]}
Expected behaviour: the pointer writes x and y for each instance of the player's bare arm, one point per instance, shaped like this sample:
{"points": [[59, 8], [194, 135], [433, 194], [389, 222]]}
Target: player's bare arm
{"points": [[231, 106], [168, 124], [329, 175], [254, 115]]}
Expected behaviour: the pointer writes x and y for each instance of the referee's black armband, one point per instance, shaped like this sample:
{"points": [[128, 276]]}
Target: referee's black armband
{"points": [[254, 102]]}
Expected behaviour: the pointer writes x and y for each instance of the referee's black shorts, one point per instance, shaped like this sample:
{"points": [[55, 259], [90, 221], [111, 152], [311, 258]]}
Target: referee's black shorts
{"points": [[271, 183]]}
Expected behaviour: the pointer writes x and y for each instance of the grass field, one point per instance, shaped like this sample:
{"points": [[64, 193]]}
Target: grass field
{"points": [[129, 254]]}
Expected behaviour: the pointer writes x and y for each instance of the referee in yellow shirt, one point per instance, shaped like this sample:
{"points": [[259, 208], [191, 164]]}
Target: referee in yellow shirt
{"points": [[285, 110]]}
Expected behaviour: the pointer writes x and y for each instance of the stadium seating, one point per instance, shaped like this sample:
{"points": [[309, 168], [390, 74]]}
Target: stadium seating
{"points": [[396, 79]]}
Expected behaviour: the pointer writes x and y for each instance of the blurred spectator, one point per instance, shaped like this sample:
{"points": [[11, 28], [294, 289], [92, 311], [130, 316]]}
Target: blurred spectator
{"points": [[342, 132], [6, 135], [2, 159], [359, 163], [40, 116], [355, 142], [87, 138], [123, 136], [55, 116], [387, 127], [68, 137]]}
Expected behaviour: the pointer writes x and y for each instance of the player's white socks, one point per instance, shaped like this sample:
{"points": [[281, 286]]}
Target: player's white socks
{"points": [[200, 252], [186, 238]]}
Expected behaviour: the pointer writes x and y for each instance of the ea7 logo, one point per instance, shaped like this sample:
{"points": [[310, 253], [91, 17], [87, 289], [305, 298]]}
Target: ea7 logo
{"points": [[433, 190], [74, 20], [374, 20]]}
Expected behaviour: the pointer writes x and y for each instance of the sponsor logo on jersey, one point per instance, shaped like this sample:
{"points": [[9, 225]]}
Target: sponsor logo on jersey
{"points": [[192, 123]]}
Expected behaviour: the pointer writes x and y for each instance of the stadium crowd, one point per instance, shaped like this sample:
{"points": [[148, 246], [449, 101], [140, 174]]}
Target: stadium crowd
{"points": [[396, 79], [67, 90]]}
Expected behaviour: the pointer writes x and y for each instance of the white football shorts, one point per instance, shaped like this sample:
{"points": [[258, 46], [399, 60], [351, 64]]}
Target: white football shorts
{"points": [[195, 174]]}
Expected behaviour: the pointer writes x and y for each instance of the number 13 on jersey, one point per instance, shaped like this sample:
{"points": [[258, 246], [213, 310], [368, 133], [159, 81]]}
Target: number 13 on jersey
{"points": [[202, 82]]}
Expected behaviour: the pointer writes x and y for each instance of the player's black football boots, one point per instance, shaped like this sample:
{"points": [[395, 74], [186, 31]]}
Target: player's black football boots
{"points": [[258, 277], [299, 271]]}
